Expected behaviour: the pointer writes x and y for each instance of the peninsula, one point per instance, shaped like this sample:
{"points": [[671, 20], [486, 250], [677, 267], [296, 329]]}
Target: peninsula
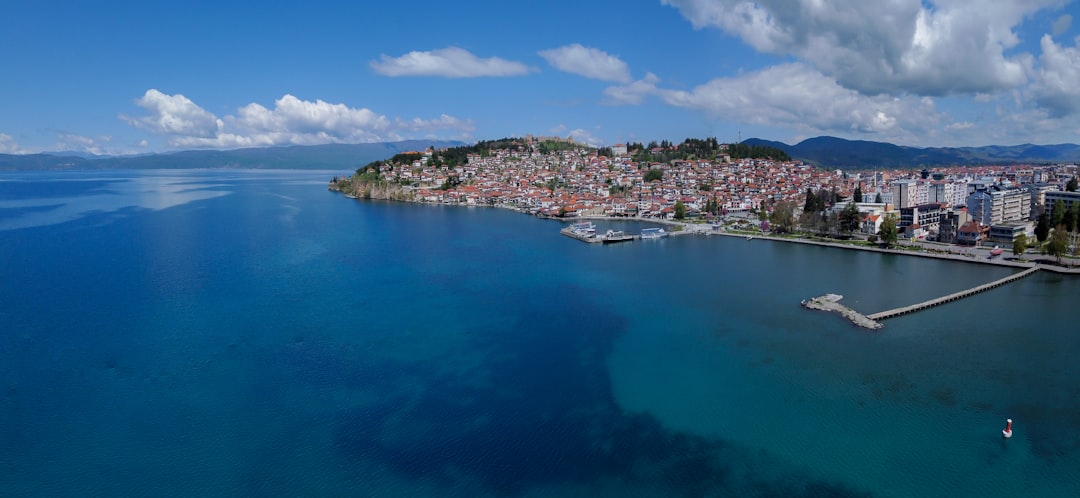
{"points": [[1026, 209]]}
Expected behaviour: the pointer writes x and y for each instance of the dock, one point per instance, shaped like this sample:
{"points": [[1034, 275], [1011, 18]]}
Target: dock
{"points": [[831, 302], [590, 239], [951, 297]]}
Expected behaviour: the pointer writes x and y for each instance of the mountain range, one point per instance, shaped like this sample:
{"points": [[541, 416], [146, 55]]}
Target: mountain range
{"points": [[826, 152], [832, 152], [330, 157]]}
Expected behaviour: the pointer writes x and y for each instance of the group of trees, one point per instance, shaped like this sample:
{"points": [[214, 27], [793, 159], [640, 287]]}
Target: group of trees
{"points": [[1065, 223], [696, 148]]}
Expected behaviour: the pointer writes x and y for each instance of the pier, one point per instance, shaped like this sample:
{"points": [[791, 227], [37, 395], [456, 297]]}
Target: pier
{"points": [[951, 297]]}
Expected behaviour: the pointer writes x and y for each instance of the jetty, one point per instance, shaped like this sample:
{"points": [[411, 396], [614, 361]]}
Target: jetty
{"points": [[831, 302], [590, 238], [951, 297]]}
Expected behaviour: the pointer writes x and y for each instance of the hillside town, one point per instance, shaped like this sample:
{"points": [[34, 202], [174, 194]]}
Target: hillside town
{"points": [[556, 177]]}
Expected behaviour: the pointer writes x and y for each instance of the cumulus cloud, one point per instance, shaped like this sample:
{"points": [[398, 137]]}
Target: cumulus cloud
{"points": [[174, 115], [79, 143], [933, 48], [584, 136], [1056, 87], [450, 62], [588, 62], [795, 95], [633, 93], [292, 121], [9, 146]]}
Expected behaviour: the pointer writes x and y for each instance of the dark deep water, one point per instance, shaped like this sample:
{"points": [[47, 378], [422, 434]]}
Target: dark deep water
{"points": [[249, 333]]}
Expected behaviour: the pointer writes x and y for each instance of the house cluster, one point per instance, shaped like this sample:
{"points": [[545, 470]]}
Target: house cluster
{"points": [[967, 205], [956, 205], [580, 182]]}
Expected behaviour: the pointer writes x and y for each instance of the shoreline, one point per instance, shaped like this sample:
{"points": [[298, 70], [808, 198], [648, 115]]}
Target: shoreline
{"points": [[700, 229]]}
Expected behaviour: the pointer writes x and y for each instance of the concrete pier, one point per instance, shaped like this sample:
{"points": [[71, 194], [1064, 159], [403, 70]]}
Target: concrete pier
{"points": [[575, 235], [831, 302], [951, 297]]}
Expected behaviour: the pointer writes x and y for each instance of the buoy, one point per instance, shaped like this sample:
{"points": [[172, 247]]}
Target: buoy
{"points": [[1008, 428]]}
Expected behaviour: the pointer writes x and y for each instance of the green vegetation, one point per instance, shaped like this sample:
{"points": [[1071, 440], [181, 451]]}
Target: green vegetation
{"points": [[1020, 245], [849, 218], [1058, 244], [680, 210], [782, 218], [1042, 228], [701, 149], [888, 232], [1071, 186], [654, 174]]}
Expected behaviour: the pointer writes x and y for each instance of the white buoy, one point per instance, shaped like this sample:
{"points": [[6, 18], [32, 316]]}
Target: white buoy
{"points": [[1008, 429]]}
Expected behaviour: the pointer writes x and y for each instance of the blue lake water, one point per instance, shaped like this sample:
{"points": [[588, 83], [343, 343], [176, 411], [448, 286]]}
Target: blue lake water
{"points": [[250, 333]]}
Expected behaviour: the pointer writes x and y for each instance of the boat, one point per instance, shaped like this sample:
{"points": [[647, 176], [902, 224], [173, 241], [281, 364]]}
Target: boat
{"points": [[996, 251], [613, 236], [653, 233], [584, 228]]}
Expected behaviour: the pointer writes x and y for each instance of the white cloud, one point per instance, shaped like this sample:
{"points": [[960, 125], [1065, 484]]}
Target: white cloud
{"points": [[588, 62], [79, 143], [9, 146], [174, 114], [959, 126], [633, 93], [934, 47], [450, 62], [1061, 25], [292, 121], [795, 95], [1057, 85], [584, 136]]}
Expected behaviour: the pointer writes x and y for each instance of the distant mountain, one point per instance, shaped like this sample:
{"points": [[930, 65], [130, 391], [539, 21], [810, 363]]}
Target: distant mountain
{"points": [[832, 152], [330, 156]]}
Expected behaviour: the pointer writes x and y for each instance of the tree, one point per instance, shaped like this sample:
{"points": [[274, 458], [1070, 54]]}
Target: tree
{"points": [[878, 199], [1059, 242], [810, 205], [1057, 213], [1042, 228], [1020, 245], [849, 218], [654, 174], [680, 210], [888, 232], [1072, 185], [782, 218], [1069, 218], [857, 197]]}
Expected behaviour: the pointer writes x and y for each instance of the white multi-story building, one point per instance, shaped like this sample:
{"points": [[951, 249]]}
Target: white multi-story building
{"points": [[1068, 199], [997, 205], [905, 193]]}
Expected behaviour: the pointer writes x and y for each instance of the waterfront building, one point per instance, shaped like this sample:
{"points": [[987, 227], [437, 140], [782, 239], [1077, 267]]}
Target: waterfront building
{"points": [[925, 216], [949, 227], [1006, 233], [1067, 198], [1038, 197], [971, 233], [905, 193], [998, 204]]}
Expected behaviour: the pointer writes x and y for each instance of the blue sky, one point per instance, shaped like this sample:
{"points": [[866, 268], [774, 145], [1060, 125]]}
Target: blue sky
{"points": [[135, 77]]}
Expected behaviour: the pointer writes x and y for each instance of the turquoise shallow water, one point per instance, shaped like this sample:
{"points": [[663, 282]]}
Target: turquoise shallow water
{"points": [[237, 333]]}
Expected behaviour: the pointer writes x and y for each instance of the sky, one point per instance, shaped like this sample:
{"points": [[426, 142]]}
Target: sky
{"points": [[115, 77]]}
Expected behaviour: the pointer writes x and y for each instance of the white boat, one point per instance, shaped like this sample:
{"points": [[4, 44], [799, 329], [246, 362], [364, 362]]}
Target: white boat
{"points": [[613, 236], [653, 233], [585, 228]]}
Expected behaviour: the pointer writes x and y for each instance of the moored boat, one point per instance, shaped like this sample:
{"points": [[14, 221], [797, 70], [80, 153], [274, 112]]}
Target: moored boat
{"points": [[653, 233]]}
